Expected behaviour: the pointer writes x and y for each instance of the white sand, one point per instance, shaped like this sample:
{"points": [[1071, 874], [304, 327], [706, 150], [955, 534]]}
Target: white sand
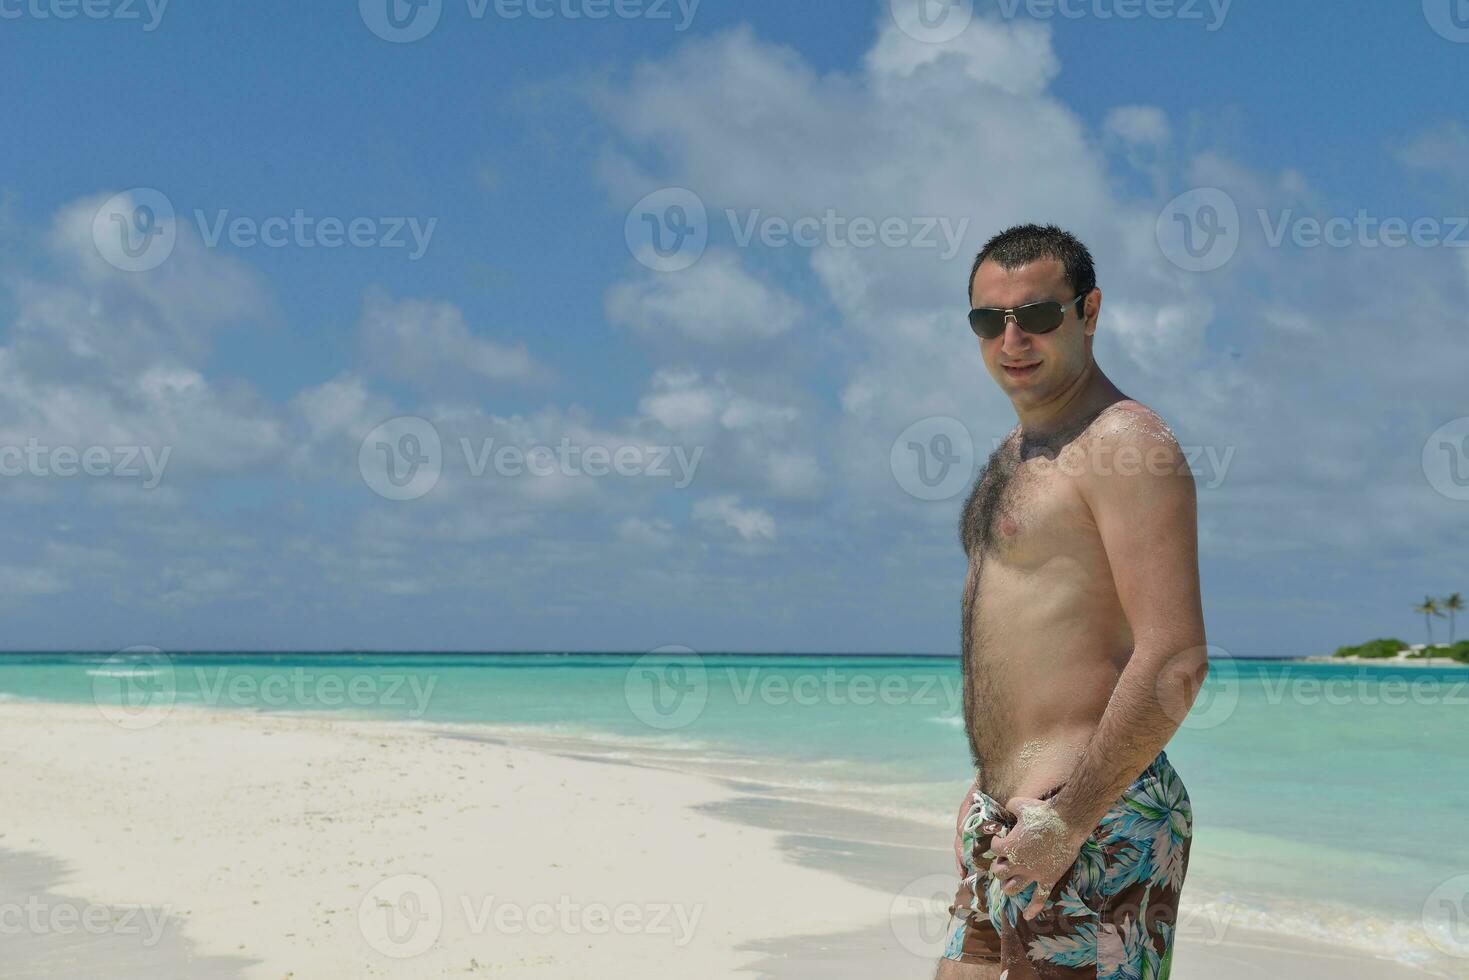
{"points": [[263, 838]]}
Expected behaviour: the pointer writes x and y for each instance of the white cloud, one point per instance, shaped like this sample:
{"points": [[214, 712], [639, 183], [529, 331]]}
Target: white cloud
{"points": [[426, 342], [1014, 56], [29, 581], [716, 302], [750, 523], [645, 533], [1442, 149], [1140, 125]]}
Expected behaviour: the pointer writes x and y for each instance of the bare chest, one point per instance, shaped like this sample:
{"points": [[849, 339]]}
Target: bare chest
{"points": [[1024, 512]]}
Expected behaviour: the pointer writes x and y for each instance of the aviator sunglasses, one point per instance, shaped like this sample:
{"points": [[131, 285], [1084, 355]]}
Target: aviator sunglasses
{"points": [[988, 323]]}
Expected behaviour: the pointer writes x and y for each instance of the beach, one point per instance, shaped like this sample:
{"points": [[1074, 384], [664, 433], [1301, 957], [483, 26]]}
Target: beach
{"points": [[218, 842]]}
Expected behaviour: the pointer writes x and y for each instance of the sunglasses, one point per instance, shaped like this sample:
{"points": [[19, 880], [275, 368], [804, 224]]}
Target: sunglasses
{"points": [[988, 323]]}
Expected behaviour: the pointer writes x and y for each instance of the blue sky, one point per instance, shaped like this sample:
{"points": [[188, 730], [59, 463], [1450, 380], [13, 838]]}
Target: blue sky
{"points": [[1315, 374]]}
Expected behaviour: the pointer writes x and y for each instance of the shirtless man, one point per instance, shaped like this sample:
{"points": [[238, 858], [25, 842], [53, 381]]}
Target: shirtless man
{"points": [[1083, 645]]}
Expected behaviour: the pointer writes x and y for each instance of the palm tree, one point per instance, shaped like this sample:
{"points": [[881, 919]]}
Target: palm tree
{"points": [[1453, 604], [1429, 608]]}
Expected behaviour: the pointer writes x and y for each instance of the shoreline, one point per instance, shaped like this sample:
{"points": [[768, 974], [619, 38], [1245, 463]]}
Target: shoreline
{"points": [[262, 835], [1384, 661]]}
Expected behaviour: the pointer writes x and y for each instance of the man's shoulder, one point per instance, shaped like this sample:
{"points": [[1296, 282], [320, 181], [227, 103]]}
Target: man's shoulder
{"points": [[1131, 423], [1128, 441]]}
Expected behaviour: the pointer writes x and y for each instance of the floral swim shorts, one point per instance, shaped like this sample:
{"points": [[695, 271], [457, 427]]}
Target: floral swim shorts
{"points": [[1111, 916]]}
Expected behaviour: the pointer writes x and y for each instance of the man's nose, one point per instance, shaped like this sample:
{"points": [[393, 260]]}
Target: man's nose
{"points": [[1016, 341]]}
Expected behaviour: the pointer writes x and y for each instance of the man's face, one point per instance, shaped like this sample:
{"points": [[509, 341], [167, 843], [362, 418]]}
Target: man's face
{"points": [[1032, 368]]}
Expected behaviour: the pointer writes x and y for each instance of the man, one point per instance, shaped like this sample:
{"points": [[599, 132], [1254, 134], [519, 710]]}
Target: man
{"points": [[1083, 645]]}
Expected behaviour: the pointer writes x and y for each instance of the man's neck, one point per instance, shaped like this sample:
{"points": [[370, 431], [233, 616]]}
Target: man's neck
{"points": [[1079, 401]]}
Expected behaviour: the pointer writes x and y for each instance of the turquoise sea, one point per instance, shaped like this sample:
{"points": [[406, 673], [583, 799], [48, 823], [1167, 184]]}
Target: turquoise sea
{"points": [[1330, 800]]}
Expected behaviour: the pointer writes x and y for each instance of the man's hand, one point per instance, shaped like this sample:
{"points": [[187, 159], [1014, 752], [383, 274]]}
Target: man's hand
{"points": [[1039, 848]]}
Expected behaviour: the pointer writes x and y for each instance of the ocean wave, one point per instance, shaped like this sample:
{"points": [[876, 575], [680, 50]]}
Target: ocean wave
{"points": [[141, 670], [1399, 940]]}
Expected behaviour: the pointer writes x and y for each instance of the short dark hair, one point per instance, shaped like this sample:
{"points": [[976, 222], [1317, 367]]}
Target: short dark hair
{"points": [[1023, 244]]}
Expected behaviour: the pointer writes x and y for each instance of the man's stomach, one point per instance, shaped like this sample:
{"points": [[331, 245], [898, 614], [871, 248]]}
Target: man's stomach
{"points": [[1040, 689]]}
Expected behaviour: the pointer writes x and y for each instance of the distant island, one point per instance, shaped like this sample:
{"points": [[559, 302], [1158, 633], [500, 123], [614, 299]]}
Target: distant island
{"points": [[1397, 650]]}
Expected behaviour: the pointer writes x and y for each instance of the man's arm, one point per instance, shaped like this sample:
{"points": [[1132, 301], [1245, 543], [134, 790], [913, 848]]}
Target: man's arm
{"points": [[1143, 501]]}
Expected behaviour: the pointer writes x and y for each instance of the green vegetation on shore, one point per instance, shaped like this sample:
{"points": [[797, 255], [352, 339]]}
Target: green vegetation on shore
{"points": [[1389, 648]]}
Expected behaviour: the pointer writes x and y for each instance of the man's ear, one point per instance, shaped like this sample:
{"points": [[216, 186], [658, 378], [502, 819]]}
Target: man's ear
{"points": [[1091, 309]]}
